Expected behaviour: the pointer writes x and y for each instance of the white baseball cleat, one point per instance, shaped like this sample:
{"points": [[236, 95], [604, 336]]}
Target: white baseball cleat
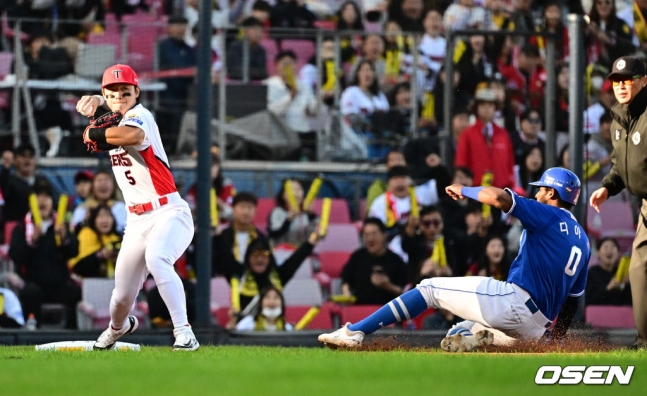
{"points": [[342, 337], [463, 343], [109, 337], [185, 339]]}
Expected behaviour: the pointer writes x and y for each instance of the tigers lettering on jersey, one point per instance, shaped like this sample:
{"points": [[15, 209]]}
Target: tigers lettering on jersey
{"points": [[120, 159]]}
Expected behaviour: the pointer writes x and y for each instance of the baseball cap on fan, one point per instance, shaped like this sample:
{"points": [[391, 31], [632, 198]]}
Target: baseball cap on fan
{"points": [[119, 74], [628, 66]]}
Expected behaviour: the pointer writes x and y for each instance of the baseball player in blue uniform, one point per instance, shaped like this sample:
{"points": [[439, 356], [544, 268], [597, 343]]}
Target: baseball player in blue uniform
{"points": [[546, 278]]}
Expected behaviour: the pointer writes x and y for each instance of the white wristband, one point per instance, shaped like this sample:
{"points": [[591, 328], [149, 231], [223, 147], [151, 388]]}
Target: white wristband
{"points": [[101, 100]]}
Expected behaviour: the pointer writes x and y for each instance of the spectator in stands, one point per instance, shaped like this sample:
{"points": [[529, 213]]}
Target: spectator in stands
{"points": [[398, 122], [349, 19], [462, 15], [260, 271], [602, 287], [174, 53], [219, 18], [475, 64], [426, 250], [561, 102], [603, 106], [372, 50], [253, 33], [432, 49], [128, 7], [89, 14], [425, 163], [330, 78], [520, 69], [522, 17], [373, 273], [288, 14], [394, 206], [609, 37], [104, 191], [485, 146], [99, 245], [636, 22], [563, 159], [35, 15], [16, 186], [493, 263], [454, 211], [270, 315], [505, 115], [82, 188], [470, 243], [409, 14], [552, 23], [531, 168], [47, 62], [290, 225], [379, 186], [397, 55], [527, 136], [603, 139], [11, 315], [292, 101], [229, 247], [41, 260], [225, 190], [360, 103]]}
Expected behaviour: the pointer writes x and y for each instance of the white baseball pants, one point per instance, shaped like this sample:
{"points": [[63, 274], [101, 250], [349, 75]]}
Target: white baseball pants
{"points": [[152, 243], [491, 303]]}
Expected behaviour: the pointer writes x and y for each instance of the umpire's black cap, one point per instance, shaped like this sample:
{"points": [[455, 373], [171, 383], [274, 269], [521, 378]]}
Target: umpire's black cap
{"points": [[628, 66]]}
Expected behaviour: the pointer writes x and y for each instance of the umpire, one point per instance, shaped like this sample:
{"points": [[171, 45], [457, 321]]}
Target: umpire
{"points": [[629, 170]]}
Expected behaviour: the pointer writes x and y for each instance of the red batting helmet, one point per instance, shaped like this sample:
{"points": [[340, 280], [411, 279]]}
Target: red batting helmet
{"points": [[119, 74]]}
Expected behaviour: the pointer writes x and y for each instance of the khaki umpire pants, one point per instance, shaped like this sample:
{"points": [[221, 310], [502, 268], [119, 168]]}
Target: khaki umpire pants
{"points": [[638, 276]]}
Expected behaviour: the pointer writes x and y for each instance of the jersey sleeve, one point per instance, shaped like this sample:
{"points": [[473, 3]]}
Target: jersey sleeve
{"points": [[139, 118], [532, 214]]}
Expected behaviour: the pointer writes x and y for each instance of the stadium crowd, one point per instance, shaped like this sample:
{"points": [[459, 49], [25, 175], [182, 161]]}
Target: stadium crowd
{"points": [[410, 229]]}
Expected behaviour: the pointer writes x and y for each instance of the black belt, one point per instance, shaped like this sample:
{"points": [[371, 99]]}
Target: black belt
{"points": [[533, 310]]}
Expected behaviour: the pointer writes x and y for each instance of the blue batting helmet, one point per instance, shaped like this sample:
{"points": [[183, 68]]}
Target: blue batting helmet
{"points": [[565, 182]]}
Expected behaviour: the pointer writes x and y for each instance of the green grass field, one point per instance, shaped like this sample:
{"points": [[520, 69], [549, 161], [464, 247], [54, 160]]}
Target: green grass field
{"points": [[237, 370]]}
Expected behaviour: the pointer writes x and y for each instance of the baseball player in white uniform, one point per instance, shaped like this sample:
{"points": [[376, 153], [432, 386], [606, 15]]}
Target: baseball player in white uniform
{"points": [[159, 226]]}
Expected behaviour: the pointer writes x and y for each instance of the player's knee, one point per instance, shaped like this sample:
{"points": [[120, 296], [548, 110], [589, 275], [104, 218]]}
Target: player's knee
{"points": [[120, 299]]}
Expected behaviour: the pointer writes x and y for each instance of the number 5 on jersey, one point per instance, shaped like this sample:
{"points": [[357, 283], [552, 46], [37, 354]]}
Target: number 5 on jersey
{"points": [[132, 180]]}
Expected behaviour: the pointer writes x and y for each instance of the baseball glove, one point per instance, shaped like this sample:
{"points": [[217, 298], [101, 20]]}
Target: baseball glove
{"points": [[107, 120]]}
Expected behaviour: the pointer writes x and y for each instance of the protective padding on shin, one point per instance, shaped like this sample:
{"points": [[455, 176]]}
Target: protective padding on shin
{"points": [[406, 307]]}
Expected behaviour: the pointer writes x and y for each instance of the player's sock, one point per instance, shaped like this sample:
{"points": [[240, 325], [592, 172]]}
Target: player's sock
{"points": [[459, 330], [406, 307]]}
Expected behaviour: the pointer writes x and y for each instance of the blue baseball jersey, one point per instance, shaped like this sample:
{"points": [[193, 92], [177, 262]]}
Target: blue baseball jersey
{"points": [[554, 254]]}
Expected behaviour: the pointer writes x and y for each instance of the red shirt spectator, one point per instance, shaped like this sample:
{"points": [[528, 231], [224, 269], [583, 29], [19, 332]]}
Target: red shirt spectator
{"points": [[485, 146], [524, 78]]}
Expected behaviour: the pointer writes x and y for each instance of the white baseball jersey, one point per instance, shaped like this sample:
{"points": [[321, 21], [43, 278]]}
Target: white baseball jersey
{"points": [[142, 172]]}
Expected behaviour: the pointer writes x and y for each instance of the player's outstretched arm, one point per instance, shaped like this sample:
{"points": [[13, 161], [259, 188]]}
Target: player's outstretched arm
{"points": [[492, 196]]}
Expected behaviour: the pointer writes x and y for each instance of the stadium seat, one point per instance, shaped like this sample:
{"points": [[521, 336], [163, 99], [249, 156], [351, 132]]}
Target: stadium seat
{"points": [[302, 292], [220, 293], [107, 38], [304, 49], [93, 311], [355, 313], [362, 209], [322, 321], [332, 263], [339, 238], [271, 49], [6, 62], [339, 213], [615, 219], [610, 316], [325, 25], [263, 209]]}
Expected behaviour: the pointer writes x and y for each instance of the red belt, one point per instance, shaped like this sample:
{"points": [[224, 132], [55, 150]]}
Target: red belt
{"points": [[140, 209]]}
